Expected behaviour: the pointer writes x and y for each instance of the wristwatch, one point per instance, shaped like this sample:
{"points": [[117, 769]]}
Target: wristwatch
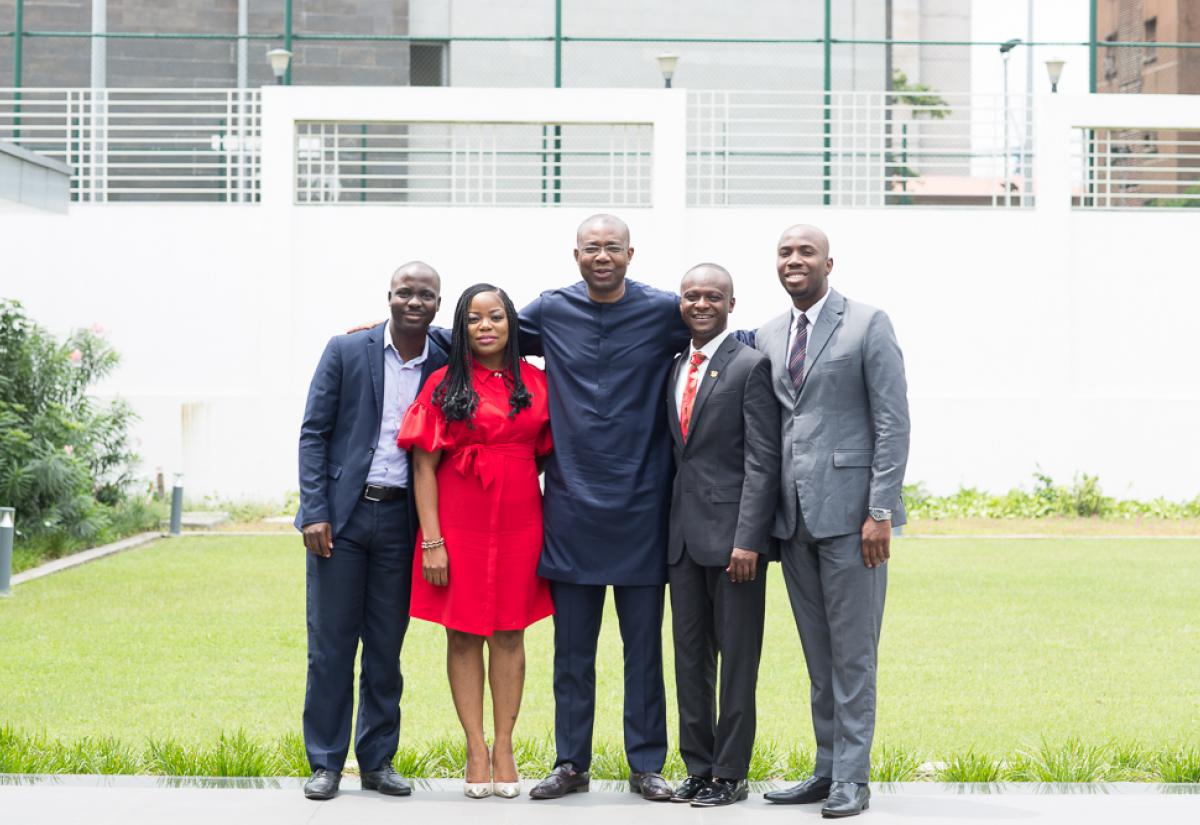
{"points": [[879, 513]]}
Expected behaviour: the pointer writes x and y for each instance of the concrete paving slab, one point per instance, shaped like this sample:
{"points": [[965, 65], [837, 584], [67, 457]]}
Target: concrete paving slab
{"points": [[202, 518], [182, 801]]}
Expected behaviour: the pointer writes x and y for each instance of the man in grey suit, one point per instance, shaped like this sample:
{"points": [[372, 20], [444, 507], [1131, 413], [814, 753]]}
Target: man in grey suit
{"points": [[724, 424], [838, 375]]}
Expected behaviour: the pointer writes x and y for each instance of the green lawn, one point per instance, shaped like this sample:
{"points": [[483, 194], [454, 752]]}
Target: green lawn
{"points": [[994, 645]]}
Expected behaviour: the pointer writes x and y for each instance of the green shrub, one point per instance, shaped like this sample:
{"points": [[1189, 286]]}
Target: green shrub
{"points": [[1180, 765], [1072, 761], [970, 767], [65, 460], [237, 754], [890, 764], [1083, 498]]}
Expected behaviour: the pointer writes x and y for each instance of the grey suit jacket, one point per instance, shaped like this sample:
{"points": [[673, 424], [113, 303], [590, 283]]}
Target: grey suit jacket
{"points": [[727, 472], [845, 433]]}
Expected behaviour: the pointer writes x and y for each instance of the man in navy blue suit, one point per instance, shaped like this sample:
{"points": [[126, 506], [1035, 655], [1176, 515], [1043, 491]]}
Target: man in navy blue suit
{"points": [[359, 529]]}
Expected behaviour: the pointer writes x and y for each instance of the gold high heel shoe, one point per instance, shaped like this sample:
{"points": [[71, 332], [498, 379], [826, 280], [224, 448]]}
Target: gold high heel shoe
{"points": [[477, 790]]}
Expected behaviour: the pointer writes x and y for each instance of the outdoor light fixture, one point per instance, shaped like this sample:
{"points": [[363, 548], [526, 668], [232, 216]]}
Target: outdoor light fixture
{"points": [[666, 65], [279, 59], [1006, 47], [1054, 69], [177, 503]]}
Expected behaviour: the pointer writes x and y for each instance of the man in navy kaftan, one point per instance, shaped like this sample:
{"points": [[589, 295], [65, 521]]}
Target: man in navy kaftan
{"points": [[608, 345]]}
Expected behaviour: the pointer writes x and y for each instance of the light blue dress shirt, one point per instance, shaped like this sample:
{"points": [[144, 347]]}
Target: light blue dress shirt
{"points": [[401, 383]]}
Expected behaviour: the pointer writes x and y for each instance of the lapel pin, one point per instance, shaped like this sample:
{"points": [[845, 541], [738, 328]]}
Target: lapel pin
{"points": [[712, 374]]}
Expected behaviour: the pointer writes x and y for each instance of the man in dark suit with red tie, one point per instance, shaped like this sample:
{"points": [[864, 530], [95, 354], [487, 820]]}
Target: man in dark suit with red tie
{"points": [[724, 424]]}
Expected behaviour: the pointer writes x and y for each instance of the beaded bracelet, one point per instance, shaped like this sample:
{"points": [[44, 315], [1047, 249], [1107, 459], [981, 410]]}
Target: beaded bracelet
{"points": [[433, 545]]}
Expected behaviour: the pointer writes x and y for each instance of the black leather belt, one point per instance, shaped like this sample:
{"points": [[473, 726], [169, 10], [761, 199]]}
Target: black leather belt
{"points": [[373, 492]]}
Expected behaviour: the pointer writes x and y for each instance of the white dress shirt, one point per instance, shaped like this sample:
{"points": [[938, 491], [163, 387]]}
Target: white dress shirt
{"points": [[401, 384], [709, 351]]}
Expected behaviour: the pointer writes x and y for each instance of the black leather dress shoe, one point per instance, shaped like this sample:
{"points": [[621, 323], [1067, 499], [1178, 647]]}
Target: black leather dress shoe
{"points": [[846, 799], [813, 789], [689, 787], [651, 786], [722, 792], [322, 784], [386, 781], [564, 779]]}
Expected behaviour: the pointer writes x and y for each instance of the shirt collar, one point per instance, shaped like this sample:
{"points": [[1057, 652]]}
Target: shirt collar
{"points": [[387, 344], [812, 313], [709, 349]]}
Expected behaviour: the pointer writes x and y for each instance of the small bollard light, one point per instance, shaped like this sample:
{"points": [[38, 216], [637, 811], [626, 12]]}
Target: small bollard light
{"points": [[7, 516], [177, 505]]}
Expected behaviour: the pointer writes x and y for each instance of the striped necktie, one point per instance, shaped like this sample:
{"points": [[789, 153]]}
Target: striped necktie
{"points": [[689, 393], [799, 346]]}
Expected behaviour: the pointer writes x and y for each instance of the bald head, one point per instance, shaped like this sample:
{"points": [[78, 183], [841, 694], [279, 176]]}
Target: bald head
{"points": [[803, 263], [807, 232], [705, 301], [418, 268], [603, 253], [708, 274], [414, 296], [608, 224]]}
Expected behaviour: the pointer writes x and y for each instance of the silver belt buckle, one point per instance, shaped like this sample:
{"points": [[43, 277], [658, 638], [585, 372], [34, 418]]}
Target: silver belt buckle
{"points": [[367, 493]]}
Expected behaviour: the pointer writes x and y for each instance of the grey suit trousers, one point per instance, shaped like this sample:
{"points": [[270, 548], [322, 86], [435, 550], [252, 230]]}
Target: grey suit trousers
{"points": [[711, 615], [838, 605]]}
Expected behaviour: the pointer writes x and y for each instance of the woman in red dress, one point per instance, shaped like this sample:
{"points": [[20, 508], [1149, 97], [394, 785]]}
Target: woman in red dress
{"points": [[477, 430]]}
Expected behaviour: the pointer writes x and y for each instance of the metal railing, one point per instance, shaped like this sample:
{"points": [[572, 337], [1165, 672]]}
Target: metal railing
{"points": [[744, 149], [1137, 168], [474, 164], [858, 149], [143, 144], [562, 58]]}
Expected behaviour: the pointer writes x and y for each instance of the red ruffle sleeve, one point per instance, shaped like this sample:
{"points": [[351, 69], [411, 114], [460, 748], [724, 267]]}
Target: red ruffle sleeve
{"points": [[424, 426], [545, 442]]}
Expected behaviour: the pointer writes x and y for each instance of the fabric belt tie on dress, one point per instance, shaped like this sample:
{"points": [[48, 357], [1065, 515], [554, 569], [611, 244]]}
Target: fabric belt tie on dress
{"points": [[477, 459]]}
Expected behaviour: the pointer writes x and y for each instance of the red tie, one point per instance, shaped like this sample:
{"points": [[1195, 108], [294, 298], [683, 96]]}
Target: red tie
{"points": [[689, 393]]}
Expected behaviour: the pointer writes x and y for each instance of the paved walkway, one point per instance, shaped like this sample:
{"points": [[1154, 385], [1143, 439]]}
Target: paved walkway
{"points": [[153, 801]]}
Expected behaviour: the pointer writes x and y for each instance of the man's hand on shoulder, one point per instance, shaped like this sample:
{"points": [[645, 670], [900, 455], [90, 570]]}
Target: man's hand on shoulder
{"points": [[743, 565], [363, 327], [318, 538], [876, 542]]}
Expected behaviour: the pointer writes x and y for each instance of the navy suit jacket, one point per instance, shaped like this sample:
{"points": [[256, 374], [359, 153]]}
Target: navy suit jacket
{"points": [[341, 426]]}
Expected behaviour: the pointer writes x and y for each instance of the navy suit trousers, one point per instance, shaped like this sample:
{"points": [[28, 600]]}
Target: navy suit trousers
{"points": [[360, 592], [578, 609]]}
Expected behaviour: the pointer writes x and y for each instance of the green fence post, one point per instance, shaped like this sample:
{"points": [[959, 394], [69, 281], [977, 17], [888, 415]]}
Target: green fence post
{"points": [[557, 44], [827, 143], [1091, 163], [1092, 46], [18, 37], [557, 85], [18, 34], [287, 40]]}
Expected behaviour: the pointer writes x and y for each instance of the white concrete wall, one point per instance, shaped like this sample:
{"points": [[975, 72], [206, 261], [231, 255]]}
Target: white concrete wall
{"points": [[1049, 337]]}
